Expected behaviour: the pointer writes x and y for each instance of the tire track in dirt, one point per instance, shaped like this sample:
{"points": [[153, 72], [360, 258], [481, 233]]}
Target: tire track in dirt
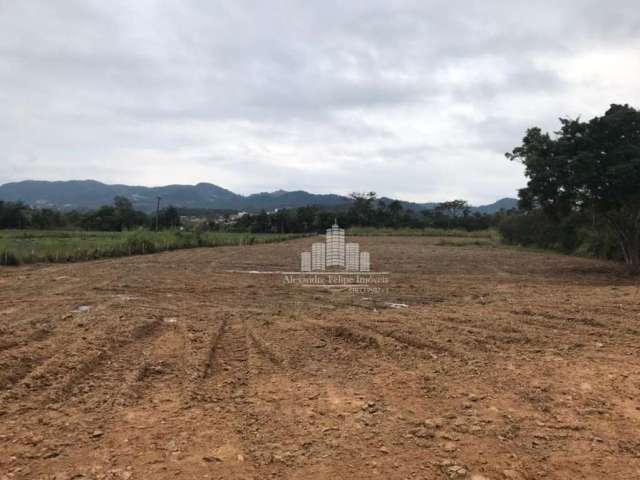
{"points": [[414, 339], [28, 363], [38, 332], [54, 380], [147, 365], [346, 334], [367, 337], [17, 358], [484, 339], [222, 392], [574, 325], [202, 338], [271, 430], [301, 416], [46, 335], [103, 359], [265, 349]]}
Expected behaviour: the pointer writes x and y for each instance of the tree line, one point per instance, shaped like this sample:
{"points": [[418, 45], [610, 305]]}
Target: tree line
{"points": [[366, 210], [116, 217], [583, 189], [582, 196]]}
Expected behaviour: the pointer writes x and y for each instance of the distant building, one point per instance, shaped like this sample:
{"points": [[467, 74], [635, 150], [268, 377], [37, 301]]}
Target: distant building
{"points": [[335, 246], [305, 262], [365, 264], [352, 254], [334, 253], [318, 256]]}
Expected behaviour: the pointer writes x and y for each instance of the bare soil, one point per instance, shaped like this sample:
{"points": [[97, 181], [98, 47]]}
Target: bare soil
{"points": [[505, 364]]}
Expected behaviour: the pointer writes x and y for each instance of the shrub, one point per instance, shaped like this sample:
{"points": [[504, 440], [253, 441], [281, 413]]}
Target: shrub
{"points": [[8, 258], [139, 241]]}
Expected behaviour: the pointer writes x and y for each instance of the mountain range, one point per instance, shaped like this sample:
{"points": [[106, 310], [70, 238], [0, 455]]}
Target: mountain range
{"points": [[90, 194]]}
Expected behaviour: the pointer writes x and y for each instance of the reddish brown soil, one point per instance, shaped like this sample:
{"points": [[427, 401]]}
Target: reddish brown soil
{"points": [[506, 364]]}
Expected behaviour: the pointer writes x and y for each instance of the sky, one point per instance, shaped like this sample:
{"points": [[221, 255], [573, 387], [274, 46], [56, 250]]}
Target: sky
{"points": [[417, 100]]}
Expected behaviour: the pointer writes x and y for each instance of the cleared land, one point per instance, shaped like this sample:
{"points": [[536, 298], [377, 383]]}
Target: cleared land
{"points": [[506, 364]]}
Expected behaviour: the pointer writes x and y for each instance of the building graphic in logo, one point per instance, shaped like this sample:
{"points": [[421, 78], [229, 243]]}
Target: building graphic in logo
{"points": [[335, 254]]}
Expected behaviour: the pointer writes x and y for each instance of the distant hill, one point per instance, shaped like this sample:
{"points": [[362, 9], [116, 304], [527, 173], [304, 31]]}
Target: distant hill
{"points": [[89, 194], [502, 204]]}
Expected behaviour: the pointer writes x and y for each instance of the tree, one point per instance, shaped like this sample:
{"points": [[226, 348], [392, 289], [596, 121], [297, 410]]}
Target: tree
{"points": [[453, 209], [169, 217], [306, 216], [590, 167], [124, 211], [46, 218], [395, 209], [13, 215], [361, 211], [105, 218]]}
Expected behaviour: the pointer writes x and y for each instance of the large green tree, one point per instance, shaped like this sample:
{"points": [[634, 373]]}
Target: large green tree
{"points": [[362, 210], [591, 167]]}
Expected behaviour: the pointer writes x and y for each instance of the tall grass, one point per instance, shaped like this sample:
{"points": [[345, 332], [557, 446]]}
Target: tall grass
{"points": [[32, 246], [422, 232]]}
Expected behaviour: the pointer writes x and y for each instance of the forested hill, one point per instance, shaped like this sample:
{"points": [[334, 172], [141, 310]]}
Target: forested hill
{"points": [[90, 194]]}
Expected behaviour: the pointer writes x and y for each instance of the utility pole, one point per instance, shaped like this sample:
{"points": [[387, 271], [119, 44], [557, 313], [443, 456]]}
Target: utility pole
{"points": [[157, 211]]}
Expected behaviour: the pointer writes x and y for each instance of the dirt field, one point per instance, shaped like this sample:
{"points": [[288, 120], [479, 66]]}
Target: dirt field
{"points": [[505, 364]]}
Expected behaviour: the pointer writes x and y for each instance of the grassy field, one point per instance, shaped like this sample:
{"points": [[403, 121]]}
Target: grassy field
{"points": [[32, 246], [422, 232]]}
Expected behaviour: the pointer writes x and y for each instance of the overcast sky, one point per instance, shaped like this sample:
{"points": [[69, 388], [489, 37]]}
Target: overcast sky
{"points": [[415, 100]]}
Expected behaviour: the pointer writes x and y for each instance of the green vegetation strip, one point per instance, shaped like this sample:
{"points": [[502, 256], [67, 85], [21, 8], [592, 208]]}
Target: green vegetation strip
{"points": [[422, 232], [32, 246]]}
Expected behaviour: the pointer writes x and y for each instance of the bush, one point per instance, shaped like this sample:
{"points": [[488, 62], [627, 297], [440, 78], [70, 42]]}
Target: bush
{"points": [[139, 242], [601, 243], [8, 258], [576, 234]]}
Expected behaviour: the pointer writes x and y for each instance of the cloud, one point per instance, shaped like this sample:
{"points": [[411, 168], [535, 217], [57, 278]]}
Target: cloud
{"points": [[412, 98]]}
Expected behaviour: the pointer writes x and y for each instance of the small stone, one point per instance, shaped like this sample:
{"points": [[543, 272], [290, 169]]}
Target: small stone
{"points": [[97, 433], [211, 459], [449, 446], [422, 432], [477, 476]]}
